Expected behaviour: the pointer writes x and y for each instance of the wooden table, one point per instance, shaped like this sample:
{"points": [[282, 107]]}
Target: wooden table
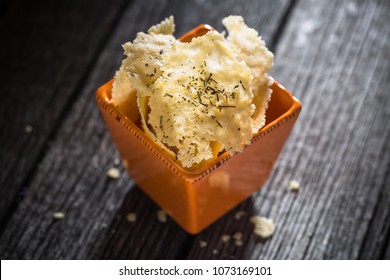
{"points": [[55, 148]]}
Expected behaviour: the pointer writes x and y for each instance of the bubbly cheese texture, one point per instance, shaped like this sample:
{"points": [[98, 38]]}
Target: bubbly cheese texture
{"points": [[199, 98], [259, 59], [167, 26], [197, 102]]}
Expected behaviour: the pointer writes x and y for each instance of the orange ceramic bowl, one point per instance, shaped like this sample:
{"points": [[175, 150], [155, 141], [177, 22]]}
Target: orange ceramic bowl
{"points": [[196, 198]]}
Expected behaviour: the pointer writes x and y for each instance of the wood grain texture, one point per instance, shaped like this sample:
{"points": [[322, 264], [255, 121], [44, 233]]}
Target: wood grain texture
{"points": [[47, 50], [377, 240], [334, 57], [72, 176]]}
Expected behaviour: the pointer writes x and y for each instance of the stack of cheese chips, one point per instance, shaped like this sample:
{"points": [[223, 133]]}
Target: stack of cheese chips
{"points": [[196, 99]]}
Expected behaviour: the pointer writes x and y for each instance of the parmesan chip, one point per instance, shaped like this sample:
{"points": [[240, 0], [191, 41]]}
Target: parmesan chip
{"points": [[197, 102], [200, 98], [264, 227], [143, 61], [259, 59], [124, 95], [167, 26]]}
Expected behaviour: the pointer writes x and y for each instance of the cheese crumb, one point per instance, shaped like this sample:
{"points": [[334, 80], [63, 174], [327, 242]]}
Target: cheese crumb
{"points": [[28, 129], [294, 185], [237, 236], [162, 215], [58, 215], [264, 227], [238, 239], [202, 244], [131, 217], [239, 215], [225, 238], [113, 173]]}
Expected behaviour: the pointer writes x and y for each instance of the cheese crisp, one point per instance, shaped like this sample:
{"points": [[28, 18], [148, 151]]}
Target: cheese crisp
{"points": [[200, 98], [259, 59]]}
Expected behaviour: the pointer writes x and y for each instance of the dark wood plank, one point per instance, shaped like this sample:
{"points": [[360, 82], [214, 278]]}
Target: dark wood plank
{"points": [[377, 240], [386, 254], [47, 50], [334, 57], [72, 176]]}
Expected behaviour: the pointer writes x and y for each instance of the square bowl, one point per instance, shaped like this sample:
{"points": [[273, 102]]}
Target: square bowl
{"points": [[196, 198]]}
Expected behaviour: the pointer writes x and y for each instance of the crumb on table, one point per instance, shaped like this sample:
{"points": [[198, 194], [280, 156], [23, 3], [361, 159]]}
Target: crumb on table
{"points": [[202, 244], [28, 129], [162, 215], [131, 217], [225, 238], [58, 215], [237, 236], [294, 185], [238, 239], [113, 173], [239, 214], [264, 227]]}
